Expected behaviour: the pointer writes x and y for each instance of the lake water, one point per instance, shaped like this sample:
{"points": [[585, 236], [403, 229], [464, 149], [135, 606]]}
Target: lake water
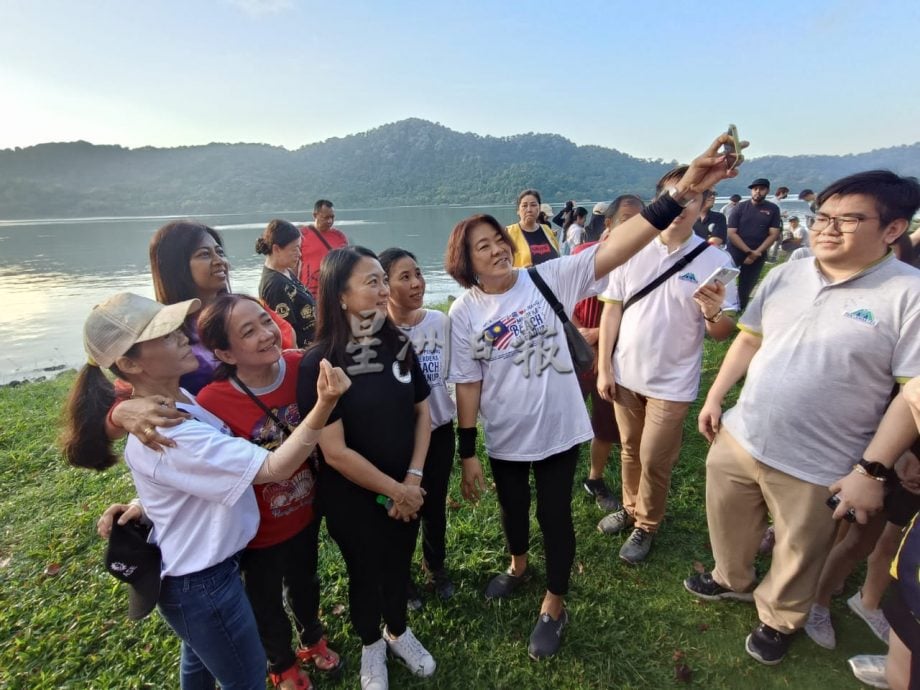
{"points": [[52, 272]]}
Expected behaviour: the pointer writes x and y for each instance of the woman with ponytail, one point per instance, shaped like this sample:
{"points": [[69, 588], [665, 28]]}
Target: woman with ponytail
{"points": [[279, 289]]}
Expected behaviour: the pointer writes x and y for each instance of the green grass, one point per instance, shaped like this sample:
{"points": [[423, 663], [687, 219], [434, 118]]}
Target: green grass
{"points": [[630, 626]]}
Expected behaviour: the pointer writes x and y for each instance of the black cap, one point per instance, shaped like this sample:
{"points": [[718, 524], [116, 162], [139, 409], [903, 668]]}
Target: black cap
{"points": [[805, 192], [760, 182], [132, 559]]}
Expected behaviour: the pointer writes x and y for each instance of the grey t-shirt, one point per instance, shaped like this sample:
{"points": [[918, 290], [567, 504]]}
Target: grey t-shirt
{"points": [[816, 389], [753, 222]]}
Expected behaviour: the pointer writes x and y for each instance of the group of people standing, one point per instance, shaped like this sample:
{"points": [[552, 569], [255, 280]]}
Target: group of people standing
{"points": [[238, 446]]}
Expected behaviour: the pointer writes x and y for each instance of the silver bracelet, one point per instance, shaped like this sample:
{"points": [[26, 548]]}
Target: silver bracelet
{"points": [[415, 472]]}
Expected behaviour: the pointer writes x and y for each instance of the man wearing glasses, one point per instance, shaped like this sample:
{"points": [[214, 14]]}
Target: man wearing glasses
{"points": [[821, 346], [753, 227]]}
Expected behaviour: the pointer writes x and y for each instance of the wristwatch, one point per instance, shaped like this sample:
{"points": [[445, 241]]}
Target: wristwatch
{"points": [[876, 470], [673, 193]]}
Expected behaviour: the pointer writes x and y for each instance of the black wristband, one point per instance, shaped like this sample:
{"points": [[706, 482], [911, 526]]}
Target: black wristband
{"points": [[662, 212], [466, 441]]}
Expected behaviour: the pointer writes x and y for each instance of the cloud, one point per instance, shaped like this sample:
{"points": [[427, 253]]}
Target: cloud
{"points": [[259, 8]]}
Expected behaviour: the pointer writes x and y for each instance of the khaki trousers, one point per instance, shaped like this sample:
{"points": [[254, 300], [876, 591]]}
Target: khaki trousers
{"points": [[650, 438], [739, 493]]}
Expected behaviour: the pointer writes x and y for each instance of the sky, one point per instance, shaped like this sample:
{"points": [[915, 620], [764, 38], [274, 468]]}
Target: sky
{"points": [[652, 78]]}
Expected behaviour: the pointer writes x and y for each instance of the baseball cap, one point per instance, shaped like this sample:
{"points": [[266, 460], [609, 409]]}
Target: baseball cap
{"points": [[132, 559], [547, 210], [759, 182], [600, 208], [125, 319]]}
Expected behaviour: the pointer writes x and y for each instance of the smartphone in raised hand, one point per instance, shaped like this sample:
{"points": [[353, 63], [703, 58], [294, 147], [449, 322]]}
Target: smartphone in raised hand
{"points": [[723, 274], [732, 149]]}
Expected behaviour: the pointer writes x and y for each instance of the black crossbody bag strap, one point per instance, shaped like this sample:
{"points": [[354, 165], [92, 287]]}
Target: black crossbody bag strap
{"points": [[284, 426], [548, 294], [320, 236], [678, 265]]}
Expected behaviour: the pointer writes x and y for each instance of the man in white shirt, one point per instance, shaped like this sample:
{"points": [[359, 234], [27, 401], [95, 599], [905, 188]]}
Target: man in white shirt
{"points": [[653, 374]]}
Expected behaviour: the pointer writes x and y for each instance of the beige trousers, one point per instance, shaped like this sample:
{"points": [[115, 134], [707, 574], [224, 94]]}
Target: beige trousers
{"points": [[650, 438], [740, 491]]}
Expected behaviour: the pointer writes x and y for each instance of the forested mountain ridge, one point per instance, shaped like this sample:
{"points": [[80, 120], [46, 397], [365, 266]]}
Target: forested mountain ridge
{"points": [[407, 162]]}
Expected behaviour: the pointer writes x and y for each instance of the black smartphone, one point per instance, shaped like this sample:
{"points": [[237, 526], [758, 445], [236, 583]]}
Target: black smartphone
{"points": [[732, 149]]}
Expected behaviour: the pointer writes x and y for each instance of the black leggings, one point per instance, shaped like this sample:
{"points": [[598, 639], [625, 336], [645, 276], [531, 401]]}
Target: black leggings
{"points": [[438, 465], [553, 477], [378, 553], [280, 573], [747, 279]]}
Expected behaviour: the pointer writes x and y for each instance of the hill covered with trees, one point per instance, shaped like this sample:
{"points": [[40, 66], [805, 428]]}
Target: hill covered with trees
{"points": [[407, 162]]}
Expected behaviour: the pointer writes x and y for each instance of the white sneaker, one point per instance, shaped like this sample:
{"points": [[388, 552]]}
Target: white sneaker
{"points": [[820, 628], [374, 666], [410, 651], [876, 620], [869, 669]]}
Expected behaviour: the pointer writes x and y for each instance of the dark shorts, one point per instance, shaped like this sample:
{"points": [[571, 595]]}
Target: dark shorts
{"points": [[603, 422], [907, 627], [901, 505]]}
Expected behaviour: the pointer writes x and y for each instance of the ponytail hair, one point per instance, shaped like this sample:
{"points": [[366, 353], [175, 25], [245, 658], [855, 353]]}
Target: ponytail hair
{"points": [[278, 232], [84, 440]]}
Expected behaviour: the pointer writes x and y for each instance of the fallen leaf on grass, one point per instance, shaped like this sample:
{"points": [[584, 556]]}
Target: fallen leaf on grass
{"points": [[338, 609], [581, 568], [5, 561], [683, 673], [678, 655], [52, 569], [703, 627], [452, 503], [699, 567]]}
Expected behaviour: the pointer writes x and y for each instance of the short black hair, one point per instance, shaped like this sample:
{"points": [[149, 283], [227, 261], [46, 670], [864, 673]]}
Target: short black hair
{"points": [[735, 197], [614, 207], [581, 212], [321, 204], [895, 196]]}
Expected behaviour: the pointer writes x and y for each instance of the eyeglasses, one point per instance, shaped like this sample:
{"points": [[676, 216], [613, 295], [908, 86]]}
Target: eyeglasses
{"points": [[844, 224]]}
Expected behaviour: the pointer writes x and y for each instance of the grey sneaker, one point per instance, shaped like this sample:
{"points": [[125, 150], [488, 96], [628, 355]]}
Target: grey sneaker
{"points": [[546, 637], [875, 619], [410, 651], [615, 522], [636, 547], [604, 498], [820, 628], [374, 666], [869, 669]]}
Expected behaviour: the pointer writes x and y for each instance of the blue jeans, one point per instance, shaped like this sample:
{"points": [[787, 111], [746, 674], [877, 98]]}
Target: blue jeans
{"points": [[210, 613]]}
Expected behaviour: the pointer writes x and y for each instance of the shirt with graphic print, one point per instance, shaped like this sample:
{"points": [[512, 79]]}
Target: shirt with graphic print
{"points": [[288, 298], [431, 339], [830, 353], [285, 507], [531, 405]]}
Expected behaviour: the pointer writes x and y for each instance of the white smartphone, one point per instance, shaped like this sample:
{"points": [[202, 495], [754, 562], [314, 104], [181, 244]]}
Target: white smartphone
{"points": [[724, 274]]}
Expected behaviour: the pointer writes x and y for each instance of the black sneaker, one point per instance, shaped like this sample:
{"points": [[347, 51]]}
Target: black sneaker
{"points": [[546, 637], [604, 498], [767, 645], [703, 586], [442, 584], [414, 601], [505, 584]]}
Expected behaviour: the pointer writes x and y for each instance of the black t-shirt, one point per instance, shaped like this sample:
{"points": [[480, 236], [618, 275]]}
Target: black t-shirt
{"points": [[291, 301], [713, 225], [753, 222], [540, 247], [377, 413]]}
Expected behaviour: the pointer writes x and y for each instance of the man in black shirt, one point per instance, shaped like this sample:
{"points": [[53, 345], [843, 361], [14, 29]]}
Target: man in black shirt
{"points": [[711, 225], [753, 226]]}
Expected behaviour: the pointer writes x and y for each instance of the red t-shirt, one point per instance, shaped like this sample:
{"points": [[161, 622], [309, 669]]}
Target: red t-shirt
{"points": [[588, 311], [285, 508], [312, 253]]}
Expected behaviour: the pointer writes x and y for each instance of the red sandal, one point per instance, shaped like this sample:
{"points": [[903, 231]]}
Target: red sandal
{"points": [[323, 658], [294, 673]]}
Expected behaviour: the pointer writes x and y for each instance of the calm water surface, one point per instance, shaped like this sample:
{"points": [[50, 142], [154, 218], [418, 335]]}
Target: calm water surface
{"points": [[52, 272]]}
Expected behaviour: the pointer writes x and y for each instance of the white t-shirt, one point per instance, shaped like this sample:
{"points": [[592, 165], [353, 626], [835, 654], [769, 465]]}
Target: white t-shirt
{"points": [[575, 234], [531, 405], [431, 339], [660, 343], [199, 494]]}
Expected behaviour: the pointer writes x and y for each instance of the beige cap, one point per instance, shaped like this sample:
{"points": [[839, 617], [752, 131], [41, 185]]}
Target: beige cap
{"points": [[125, 319], [547, 209]]}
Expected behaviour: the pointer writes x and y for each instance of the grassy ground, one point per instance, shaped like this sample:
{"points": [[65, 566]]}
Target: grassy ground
{"points": [[62, 621]]}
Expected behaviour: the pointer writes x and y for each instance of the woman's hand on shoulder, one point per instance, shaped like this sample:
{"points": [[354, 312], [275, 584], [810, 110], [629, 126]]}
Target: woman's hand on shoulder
{"points": [[331, 383], [472, 483], [140, 417]]}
